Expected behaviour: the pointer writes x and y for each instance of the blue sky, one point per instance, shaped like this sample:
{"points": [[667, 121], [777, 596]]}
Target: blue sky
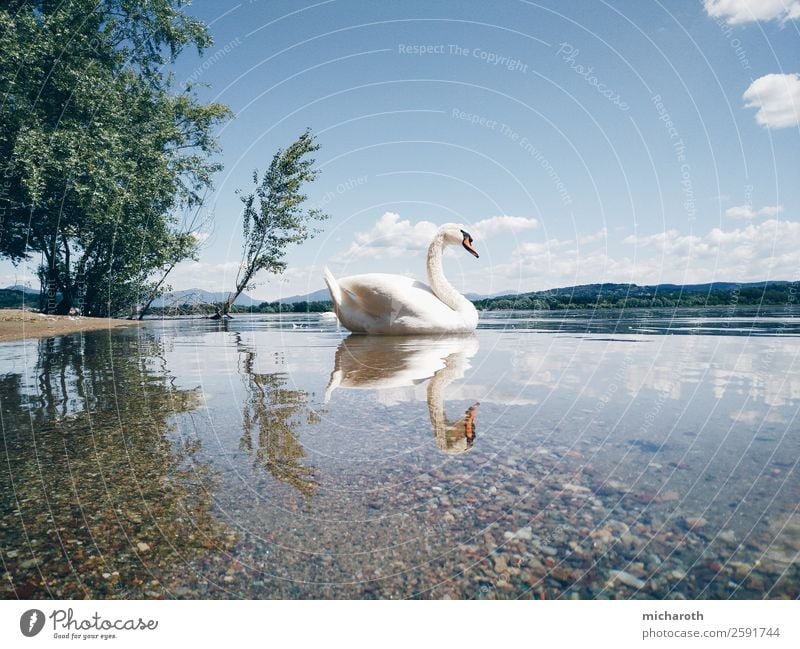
{"points": [[579, 142]]}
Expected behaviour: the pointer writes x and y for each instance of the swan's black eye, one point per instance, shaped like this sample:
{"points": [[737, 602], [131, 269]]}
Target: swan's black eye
{"points": [[467, 235]]}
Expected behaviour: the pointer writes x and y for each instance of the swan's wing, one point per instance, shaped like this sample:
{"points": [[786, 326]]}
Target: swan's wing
{"points": [[333, 287], [381, 295]]}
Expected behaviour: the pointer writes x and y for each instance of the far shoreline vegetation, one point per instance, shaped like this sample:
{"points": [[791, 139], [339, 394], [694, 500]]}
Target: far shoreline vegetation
{"points": [[631, 296], [589, 296]]}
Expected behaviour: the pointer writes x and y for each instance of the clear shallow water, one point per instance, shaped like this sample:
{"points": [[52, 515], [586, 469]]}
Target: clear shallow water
{"points": [[570, 455]]}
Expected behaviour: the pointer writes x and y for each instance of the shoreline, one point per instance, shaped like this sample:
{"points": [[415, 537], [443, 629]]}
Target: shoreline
{"points": [[19, 324]]}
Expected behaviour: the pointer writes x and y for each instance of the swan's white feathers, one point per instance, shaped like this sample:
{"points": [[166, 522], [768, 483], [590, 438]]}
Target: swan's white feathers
{"points": [[379, 294], [382, 303], [333, 286]]}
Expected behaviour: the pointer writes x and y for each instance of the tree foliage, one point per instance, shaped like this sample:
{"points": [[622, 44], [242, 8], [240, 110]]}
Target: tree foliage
{"points": [[99, 153], [274, 215]]}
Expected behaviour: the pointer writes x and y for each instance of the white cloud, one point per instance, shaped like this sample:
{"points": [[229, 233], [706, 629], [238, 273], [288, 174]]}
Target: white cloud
{"points": [[777, 97], [747, 211], [754, 252], [391, 237], [501, 224], [766, 250], [735, 12], [600, 235]]}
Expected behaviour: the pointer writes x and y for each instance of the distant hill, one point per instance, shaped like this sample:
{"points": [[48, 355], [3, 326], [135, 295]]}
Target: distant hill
{"points": [[200, 296], [15, 297], [659, 295], [22, 288], [321, 295], [635, 289], [18, 295]]}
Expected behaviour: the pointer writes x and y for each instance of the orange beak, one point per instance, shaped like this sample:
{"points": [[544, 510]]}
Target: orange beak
{"points": [[468, 245]]}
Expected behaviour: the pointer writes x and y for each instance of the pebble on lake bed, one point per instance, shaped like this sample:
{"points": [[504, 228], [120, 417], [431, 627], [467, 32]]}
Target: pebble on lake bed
{"points": [[625, 578], [729, 536], [522, 534]]}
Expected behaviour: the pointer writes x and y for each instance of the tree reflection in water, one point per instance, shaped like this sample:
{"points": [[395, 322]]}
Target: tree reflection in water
{"points": [[270, 415], [99, 499]]}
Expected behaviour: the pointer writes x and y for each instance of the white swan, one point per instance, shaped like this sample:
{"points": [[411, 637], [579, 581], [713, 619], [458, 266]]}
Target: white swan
{"points": [[379, 303]]}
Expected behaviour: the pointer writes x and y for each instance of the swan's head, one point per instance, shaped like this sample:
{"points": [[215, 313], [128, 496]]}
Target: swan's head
{"points": [[459, 436], [455, 235]]}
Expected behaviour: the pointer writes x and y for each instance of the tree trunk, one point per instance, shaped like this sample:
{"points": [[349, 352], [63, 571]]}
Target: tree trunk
{"points": [[224, 312], [154, 293], [65, 305], [67, 288]]}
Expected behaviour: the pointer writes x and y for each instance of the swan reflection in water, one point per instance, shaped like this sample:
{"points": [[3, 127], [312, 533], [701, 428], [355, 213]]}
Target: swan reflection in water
{"points": [[387, 363]]}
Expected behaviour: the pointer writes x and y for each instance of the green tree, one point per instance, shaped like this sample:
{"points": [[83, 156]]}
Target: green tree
{"points": [[99, 152], [274, 216]]}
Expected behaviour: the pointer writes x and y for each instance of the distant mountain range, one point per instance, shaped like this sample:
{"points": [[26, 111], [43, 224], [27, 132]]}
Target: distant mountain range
{"points": [[22, 288], [321, 295], [634, 290], [592, 296], [201, 296], [188, 296], [17, 296]]}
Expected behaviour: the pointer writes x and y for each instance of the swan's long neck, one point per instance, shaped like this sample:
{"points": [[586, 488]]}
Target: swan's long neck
{"points": [[456, 436], [439, 285]]}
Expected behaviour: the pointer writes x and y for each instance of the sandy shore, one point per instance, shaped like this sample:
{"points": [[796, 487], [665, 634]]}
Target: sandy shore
{"points": [[16, 324]]}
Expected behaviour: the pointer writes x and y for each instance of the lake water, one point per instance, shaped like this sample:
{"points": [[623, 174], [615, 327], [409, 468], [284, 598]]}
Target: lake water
{"points": [[572, 455]]}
